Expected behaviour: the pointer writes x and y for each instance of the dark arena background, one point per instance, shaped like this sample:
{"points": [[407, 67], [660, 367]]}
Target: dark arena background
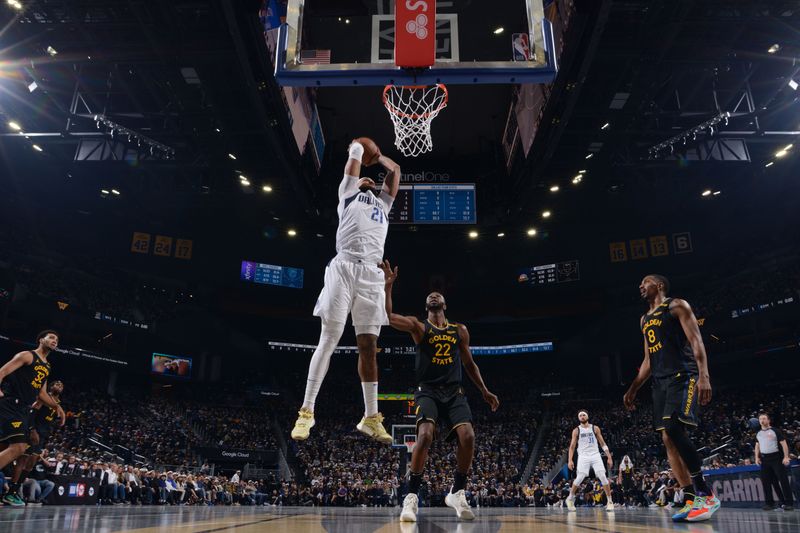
{"points": [[168, 206]]}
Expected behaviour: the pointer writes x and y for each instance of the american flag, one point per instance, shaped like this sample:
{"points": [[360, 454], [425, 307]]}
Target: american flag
{"points": [[315, 57]]}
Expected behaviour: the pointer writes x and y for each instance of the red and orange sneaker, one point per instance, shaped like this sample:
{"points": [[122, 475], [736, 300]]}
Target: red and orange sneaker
{"points": [[704, 507]]}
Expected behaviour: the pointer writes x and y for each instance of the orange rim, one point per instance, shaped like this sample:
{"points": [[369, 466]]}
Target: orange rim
{"points": [[414, 116]]}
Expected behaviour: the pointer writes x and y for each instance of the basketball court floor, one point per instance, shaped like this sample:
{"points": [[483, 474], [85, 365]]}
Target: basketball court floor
{"points": [[357, 520]]}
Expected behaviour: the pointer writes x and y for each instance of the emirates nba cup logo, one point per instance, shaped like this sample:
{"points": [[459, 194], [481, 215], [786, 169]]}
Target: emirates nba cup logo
{"points": [[418, 26]]}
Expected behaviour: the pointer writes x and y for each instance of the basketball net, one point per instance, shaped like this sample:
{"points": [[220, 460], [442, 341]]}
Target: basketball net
{"points": [[412, 109]]}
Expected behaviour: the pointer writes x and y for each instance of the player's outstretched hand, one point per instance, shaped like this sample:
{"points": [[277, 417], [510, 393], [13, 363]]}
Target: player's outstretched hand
{"points": [[491, 399], [629, 399], [704, 390], [389, 274]]}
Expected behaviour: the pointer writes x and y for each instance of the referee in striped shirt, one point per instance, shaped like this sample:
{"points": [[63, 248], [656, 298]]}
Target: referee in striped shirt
{"points": [[772, 453]]}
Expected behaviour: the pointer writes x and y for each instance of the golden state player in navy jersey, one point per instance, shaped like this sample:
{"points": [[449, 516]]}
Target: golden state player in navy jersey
{"points": [[442, 350], [675, 356]]}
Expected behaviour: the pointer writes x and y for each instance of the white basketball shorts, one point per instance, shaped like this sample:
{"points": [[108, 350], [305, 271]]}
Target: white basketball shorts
{"points": [[595, 462], [356, 289]]}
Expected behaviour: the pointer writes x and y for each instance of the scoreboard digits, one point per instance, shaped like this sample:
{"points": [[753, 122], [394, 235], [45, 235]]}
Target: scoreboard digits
{"points": [[434, 204]]}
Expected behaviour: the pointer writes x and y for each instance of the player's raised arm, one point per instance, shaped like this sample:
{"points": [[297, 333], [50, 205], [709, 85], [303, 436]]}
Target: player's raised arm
{"points": [[683, 312], [572, 444], [391, 184], [640, 379], [408, 324], [472, 369]]}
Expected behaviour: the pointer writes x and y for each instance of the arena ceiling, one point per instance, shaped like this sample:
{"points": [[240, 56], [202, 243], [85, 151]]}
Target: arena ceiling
{"points": [[195, 76]]}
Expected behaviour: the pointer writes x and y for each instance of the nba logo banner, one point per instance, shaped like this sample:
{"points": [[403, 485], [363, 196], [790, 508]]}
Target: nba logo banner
{"points": [[415, 33], [521, 45]]}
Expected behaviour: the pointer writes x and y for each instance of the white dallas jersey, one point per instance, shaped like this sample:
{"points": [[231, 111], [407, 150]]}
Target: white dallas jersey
{"points": [[587, 441], [363, 222]]}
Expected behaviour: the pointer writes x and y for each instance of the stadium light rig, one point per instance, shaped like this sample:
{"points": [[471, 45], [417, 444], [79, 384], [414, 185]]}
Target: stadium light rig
{"points": [[709, 127], [152, 145]]}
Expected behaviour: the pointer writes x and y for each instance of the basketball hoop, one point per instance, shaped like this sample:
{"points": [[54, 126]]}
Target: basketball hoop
{"points": [[412, 109], [410, 441]]}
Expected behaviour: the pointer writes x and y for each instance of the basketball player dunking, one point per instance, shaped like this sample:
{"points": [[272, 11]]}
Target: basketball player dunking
{"points": [[25, 382], [675, 356], [354, 285], [442, 348], [586, 437]]}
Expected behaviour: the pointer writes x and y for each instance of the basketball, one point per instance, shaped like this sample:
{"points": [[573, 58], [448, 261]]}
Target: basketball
{"points": [[371, 151], [753, 424]]}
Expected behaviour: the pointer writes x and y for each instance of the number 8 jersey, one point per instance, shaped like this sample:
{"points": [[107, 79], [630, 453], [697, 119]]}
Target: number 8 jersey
{"points": [[669, 349], [438, 359], [363, 222]]}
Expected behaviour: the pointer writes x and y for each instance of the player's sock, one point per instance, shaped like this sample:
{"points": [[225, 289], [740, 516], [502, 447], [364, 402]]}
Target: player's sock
{"points": [[370, 389], [688, 493], [459, 482], [414, 482], [700, 485], [320, 361]]}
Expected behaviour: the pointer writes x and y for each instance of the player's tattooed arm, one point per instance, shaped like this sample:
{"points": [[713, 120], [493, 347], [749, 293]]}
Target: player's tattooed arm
{"points": [[17, 362], [572, 444], [472, 369], [409, 324], [683, 312]]}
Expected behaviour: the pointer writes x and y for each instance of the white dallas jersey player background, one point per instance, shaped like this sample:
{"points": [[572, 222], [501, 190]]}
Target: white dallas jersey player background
{"points": [[354, 284], [589, 452]]}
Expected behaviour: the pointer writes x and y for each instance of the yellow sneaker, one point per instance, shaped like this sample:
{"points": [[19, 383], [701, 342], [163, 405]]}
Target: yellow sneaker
{"points": [[372, 427], [305, 421]]}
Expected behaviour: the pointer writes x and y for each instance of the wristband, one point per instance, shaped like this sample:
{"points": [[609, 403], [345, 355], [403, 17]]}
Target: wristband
{"points": [[356, 151], [605, 449]]}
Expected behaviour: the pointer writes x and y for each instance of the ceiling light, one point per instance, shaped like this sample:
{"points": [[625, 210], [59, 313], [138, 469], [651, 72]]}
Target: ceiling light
{"points": [[589, 156], [37, 147], [781, 153], [770, 164], [717, 193], [15, 4], [531, 232], [499, 30], [246, 183], [232, 156], [787, 147], [291, 233], [554, 188], [577, 179], [243, 177], [52, 51], [546, 214], [581, 172], [774, 48], [605, 126], [115, 191], [707, 192], [14, 126], [266, 188], [217, 130], [347, 21], [103, 191], [793, 84], [501, 234], [473, 234]]}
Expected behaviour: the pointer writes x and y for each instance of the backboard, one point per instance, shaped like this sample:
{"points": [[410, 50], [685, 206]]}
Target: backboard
{"points": [[352, 42]]}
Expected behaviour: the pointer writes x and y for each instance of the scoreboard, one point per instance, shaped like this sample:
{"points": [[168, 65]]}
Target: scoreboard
{"points": [[434, 204], [264, 274], [562, 272]]}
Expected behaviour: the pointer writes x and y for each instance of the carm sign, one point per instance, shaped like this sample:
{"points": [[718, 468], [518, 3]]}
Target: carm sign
{"points": [[741, 486], [415, 33]]}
